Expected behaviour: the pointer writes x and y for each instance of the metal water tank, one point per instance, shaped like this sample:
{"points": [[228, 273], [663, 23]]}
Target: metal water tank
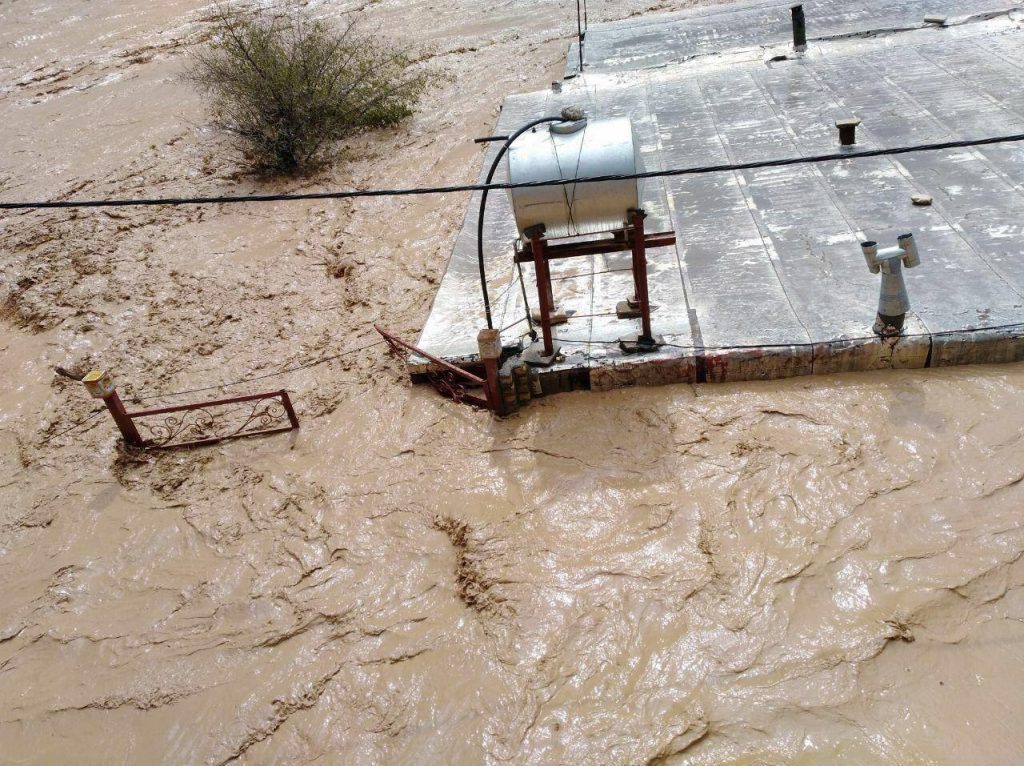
{"points": [[582, 149]]}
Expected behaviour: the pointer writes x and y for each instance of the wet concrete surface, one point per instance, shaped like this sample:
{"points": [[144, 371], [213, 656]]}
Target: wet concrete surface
{"points": [[767, 278], [663, 39]]}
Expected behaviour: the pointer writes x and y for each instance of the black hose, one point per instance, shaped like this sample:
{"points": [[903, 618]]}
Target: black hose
{"points": [[483, 206]]}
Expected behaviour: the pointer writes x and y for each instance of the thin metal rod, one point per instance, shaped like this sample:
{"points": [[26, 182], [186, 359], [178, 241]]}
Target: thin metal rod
{"points": [[219, 439], [211, 403], [286, 402], [587, 274], [526, 301], [475, 379], [579, 32]]}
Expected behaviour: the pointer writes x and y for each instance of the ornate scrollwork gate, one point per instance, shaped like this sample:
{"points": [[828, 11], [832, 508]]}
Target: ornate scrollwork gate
{"points": [[202, 423]]}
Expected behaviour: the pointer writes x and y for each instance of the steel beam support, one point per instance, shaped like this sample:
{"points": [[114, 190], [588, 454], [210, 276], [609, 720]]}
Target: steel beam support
{"points": [[545, 298], [639, 248]]}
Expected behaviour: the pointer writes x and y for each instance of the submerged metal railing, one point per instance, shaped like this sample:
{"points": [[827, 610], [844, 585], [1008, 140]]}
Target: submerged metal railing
{"points": [[209, 422], [197, 424]]}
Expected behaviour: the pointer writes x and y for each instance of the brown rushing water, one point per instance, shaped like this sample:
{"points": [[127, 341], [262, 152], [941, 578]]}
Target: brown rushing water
{"points": [[816, 571]]}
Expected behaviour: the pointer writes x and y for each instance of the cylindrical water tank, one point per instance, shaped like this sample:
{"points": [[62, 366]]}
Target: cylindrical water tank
{"points": [[582, 149]]}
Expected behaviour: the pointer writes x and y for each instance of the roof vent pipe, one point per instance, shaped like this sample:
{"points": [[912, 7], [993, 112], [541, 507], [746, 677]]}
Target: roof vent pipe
{"points": [[799, 28], [893, 302]]}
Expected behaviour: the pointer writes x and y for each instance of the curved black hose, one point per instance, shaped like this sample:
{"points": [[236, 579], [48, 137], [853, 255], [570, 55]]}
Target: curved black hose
{"points": [[483, 206]]}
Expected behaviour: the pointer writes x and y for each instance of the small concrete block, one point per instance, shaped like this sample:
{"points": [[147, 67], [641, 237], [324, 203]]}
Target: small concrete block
{"points": [[922, 200], [627, 310], [557, 316], [937, 20], [536, 357], [489, 343]]}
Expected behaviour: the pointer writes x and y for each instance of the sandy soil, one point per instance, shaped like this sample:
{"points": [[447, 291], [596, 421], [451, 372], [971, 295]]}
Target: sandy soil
{"points": [[814, 571]]}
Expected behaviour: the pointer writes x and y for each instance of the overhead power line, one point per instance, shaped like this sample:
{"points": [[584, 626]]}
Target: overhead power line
{"points": [[413, 191]]}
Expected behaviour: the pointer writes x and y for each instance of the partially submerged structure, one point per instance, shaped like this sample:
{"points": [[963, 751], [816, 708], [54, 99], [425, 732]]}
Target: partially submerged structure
{"points": [[769, 275]]}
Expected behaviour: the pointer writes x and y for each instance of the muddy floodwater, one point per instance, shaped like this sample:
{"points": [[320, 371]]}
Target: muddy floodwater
{"points": [[815, 571]]}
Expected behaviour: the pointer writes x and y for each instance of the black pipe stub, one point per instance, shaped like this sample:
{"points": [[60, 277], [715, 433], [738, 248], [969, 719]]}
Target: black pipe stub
{"points": [[848, 131], [889, 326], [799, 28]]}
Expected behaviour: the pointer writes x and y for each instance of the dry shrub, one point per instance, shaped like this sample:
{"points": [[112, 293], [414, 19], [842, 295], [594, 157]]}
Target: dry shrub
{"points": [[288, 86]]}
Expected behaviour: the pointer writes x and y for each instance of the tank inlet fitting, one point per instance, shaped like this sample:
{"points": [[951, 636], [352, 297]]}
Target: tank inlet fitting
{"points": [[893, 303]]}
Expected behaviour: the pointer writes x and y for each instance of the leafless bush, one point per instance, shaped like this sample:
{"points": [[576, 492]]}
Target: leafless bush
{"points": [[288, 86]]}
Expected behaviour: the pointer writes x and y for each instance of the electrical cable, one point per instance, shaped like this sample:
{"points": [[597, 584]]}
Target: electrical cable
{"points": [[260, 377], [76, 426], [414, 191], [587, 316], [587, 274], [506, 291], [801, 344], [526, 302]]}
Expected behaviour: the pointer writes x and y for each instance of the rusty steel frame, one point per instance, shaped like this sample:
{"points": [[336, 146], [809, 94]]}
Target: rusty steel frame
{"points": [[444, 383], [282, 395], [632, 237], [595, 247]]}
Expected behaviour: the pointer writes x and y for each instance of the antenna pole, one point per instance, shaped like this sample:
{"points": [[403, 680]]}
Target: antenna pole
{"points": [[579, 32]]}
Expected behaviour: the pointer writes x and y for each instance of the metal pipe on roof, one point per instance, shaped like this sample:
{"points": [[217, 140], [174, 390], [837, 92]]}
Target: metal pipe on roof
{"points": [[799, 28]]}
